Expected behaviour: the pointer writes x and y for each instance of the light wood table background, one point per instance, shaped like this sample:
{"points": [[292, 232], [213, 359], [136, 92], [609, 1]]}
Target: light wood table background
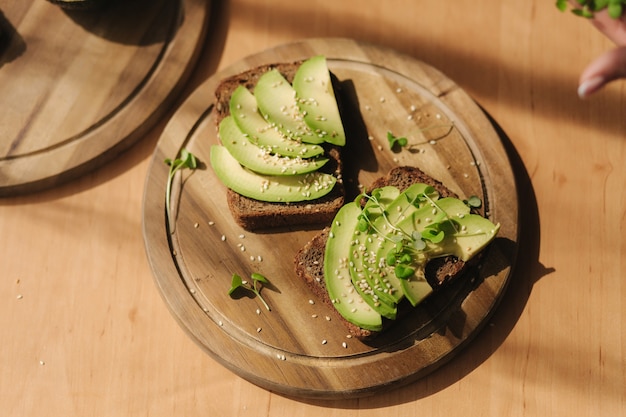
{"points": [[84, 331]]}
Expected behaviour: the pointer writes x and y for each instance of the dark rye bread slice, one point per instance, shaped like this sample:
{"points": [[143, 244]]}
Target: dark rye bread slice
{"points": [[253, 214], [309, 261]]}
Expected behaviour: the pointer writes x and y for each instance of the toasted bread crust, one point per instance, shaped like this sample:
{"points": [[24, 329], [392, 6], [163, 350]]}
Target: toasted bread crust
{"points": [[309, 261], [253, 214]]}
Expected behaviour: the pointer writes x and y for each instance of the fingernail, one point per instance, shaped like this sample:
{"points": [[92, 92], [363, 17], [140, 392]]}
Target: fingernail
{"points": [[587, 87]]}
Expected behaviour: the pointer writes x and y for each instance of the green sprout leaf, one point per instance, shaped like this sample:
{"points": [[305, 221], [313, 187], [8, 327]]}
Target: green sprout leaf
{"points": [[588, 8], [474, 202], [433, 234], [403, 271], [255, 288], [396, 142], [186, 160], [235, 284]]}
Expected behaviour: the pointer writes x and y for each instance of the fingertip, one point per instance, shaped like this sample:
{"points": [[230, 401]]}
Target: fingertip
{"points": [[590, 86]]}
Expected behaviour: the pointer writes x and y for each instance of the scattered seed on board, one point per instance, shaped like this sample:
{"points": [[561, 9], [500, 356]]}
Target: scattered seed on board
{"points": [[258, 311], [223, 238], [258, 330], [211, 223], [20, 296]]}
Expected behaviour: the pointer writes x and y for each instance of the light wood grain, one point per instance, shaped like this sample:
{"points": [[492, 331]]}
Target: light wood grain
{"points": [[79, 87], [287, 350], [91, 312]]}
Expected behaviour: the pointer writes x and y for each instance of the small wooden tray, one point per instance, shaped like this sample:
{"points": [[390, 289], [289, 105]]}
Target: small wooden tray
{"points": [[294, 349], [79, 87]]}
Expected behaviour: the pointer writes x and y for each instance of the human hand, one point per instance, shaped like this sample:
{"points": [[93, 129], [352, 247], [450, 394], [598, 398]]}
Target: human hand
{"points": [[611, 65]]}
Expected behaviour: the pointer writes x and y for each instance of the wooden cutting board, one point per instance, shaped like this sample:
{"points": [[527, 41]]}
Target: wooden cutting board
{"points": [[297, 348], [78, 87]]}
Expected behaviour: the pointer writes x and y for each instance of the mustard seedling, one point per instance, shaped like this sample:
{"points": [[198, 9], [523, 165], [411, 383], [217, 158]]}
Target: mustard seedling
{"points": [[396, 143], [258, 280], [186, 160], [588, 9]]}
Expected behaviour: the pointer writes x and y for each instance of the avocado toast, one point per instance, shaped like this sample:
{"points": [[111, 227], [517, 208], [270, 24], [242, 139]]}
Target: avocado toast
{"points": [[280, 158], [371, 277]]}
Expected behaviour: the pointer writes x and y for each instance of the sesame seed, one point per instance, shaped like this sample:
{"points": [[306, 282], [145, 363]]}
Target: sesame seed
{"points": [[211, 223], [327, 318], [258, 330], [220, 323], [345, 345], [314, 316], [324, 341], [42, 363], [20, 296], [196, 225], [311, 302], [223, 238]]}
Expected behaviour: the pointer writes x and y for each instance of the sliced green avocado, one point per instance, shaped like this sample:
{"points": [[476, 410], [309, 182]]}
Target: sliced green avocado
{"points": [[243, 107], [400, 208], [363, 264], [276, 99], [271, 188], [473, 233], [466, 235], [346, 300], [260, 160], [317, 100]]}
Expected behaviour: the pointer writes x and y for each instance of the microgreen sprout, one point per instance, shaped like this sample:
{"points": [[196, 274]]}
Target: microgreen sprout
{"points": [[186, 160], [473, 202], [258, 281], [395, 142], [398, 142], [588, 8]]}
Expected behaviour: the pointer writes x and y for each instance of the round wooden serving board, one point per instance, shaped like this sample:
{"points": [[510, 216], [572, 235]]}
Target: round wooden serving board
{"points": [[79, 87], [297, 348]]}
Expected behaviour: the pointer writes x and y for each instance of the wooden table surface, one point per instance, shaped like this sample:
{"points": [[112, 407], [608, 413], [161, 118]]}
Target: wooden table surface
{"points": [[84, 330]]}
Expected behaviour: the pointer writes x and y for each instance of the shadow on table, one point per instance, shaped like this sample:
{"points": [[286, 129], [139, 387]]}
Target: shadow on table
{"points": [[136, 22]]}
